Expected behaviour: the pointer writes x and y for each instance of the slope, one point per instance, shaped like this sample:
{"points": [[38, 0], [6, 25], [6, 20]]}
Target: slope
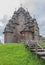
{"points": [[18, 54]]}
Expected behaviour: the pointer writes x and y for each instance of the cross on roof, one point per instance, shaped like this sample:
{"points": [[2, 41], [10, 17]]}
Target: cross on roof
{"points": [[27, 9], [21, 5], [34, 16], [15, 9]]}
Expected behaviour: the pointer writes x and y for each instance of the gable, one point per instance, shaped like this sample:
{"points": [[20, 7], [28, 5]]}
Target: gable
{"points": [[21, 18]]}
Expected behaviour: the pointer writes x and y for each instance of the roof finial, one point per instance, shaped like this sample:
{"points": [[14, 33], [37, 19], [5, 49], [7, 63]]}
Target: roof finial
{"points": [[21, 5], [15, 9], [34, 16], [27, 9]]}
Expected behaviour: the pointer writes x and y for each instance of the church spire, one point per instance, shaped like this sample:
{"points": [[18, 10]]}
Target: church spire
{"points": [[21, 5], [34, 18], [27, 9], [15, 9]]}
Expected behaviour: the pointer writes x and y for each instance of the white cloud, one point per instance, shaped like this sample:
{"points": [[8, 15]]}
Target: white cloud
{"points": [[8, 6], [2, 38], [3, 21], [43, 18], [1, 24]]}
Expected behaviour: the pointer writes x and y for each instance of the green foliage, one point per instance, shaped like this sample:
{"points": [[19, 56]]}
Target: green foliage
{"points": [[18, 54], [43, 39]]}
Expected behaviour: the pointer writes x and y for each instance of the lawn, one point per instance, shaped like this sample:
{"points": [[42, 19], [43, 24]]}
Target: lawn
{"points": [[18, 54], [42, 44]]}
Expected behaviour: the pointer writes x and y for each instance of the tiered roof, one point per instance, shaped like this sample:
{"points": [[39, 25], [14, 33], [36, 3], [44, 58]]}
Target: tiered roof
{"points": [[13, 20]]}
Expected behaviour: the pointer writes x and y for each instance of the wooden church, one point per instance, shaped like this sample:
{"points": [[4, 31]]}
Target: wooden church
{"points": [[21, 27]]}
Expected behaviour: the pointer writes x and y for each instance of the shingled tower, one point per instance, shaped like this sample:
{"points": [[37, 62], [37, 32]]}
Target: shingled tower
{"points": [[21, 26]]}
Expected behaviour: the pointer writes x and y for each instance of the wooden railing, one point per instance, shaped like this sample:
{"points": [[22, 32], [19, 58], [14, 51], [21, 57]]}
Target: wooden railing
{"points": [[32, 43]]}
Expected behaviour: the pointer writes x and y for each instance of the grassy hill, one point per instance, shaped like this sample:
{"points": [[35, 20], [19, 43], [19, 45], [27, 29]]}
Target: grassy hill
{"points": [[18, 54], [42, 44]]}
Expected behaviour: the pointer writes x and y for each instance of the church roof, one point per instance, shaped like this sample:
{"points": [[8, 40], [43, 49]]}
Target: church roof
{"points": [[30, 23], [13, 21], [8, 29], [21, 9], [28, 14], [15, 12], [27, 29]]}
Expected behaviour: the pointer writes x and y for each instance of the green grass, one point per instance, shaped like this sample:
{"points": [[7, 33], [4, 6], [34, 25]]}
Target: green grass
{"points": [[18, 54], [42, 44]]}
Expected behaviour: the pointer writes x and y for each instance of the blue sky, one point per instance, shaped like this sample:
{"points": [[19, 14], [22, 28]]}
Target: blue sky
{"points": [[35, 7]]}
